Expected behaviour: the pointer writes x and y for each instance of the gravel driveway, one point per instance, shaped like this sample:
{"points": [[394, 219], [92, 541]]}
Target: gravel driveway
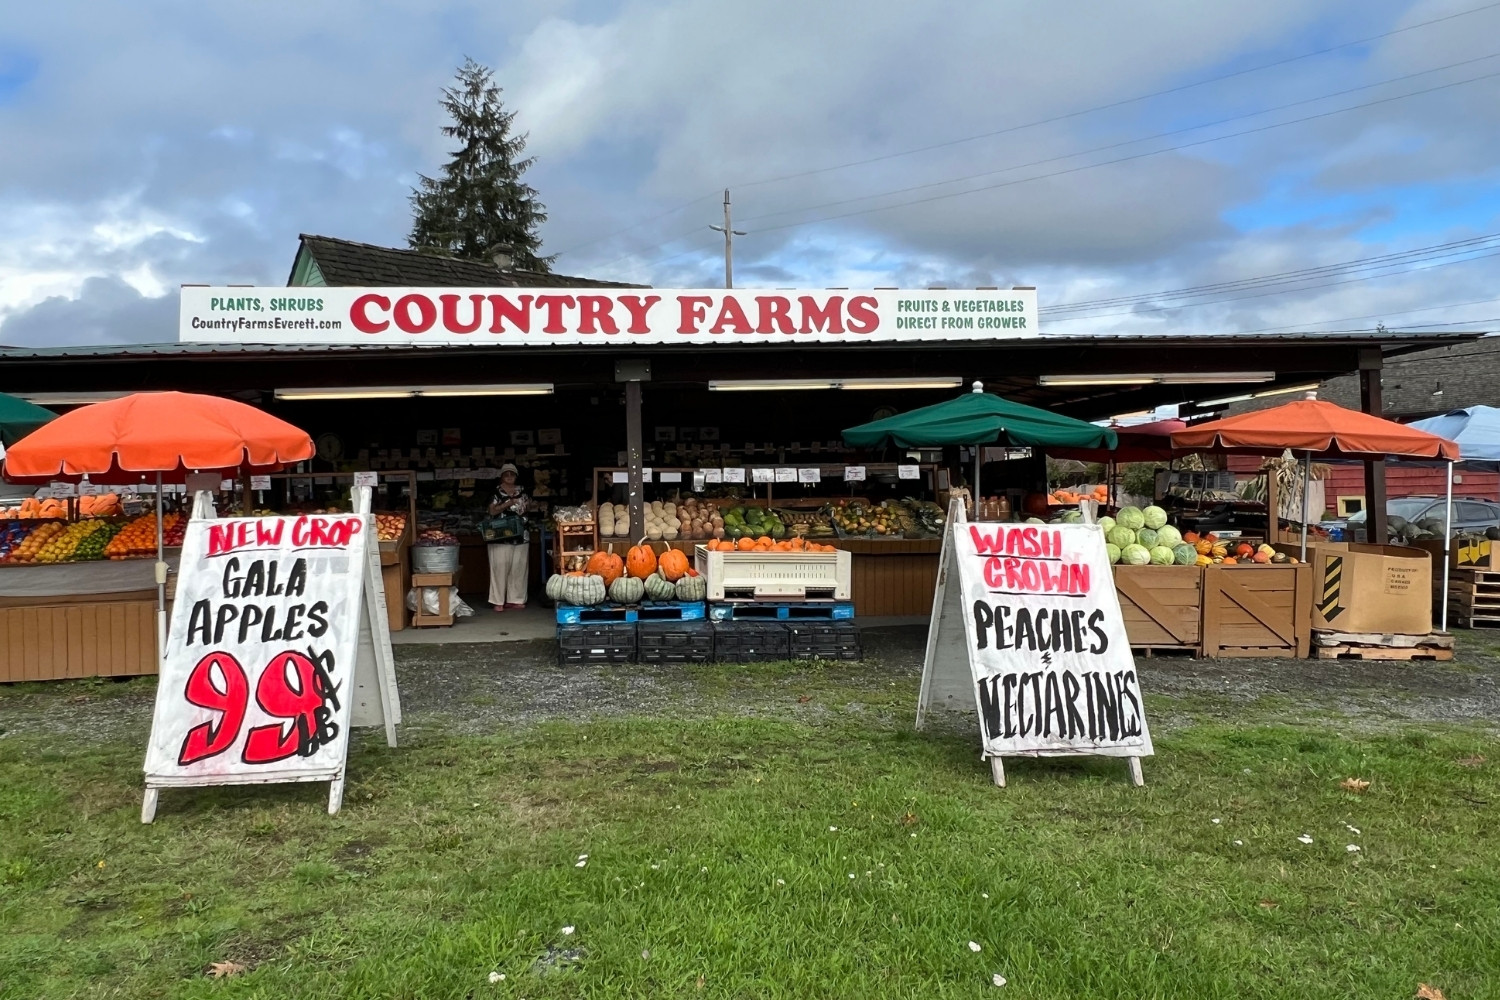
{"points": [[480, 688]]}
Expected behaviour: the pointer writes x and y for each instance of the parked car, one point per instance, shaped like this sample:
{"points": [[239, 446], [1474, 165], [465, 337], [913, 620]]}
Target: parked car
{"points": [[1471, 516]]}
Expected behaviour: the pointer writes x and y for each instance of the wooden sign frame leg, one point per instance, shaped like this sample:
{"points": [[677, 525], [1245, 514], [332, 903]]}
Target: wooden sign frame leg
{"points": [[148, 805]]}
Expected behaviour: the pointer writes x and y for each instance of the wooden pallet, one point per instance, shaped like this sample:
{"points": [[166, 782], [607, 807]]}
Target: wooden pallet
{"points": [[1473, 620], [1383, 653], [1393, 640]]}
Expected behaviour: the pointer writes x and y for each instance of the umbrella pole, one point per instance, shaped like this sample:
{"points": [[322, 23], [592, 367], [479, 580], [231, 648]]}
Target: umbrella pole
{"points": [[1306, 486], [1447, 542], [161, 579], [977, 450]]}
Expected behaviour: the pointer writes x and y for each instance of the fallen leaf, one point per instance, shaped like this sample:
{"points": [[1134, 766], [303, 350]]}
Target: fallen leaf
{"points": [[1425, 992], [701, 981], [998, 979], [804, 699], [223, 970], [908, 818], [1475, 761], [1355, 785], [1269, 904]]}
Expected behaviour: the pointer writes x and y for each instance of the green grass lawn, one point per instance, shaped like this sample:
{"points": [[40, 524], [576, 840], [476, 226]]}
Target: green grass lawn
{"points": [[750, 857]]}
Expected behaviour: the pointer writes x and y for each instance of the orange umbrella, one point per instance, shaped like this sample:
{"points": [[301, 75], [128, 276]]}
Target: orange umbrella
{"points": [[171, 433], [1316, 426]]}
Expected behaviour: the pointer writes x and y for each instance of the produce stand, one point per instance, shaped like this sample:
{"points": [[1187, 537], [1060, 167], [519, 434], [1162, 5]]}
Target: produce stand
{"points": [[891, 574]]}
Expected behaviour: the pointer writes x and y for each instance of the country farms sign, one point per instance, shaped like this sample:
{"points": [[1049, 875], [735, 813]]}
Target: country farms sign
{"points": [[604, 316]]}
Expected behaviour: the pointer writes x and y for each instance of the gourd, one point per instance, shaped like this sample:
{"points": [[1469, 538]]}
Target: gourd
{"points": [[673, 565], [692, 587], [627, 590], [607, 565], [606, 519], [584, 589], [554, 586], [640, 561], [659, 588]]}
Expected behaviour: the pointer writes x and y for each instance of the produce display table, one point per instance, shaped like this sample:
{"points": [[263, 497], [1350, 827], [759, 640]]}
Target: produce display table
{"points": [[85, 619]]}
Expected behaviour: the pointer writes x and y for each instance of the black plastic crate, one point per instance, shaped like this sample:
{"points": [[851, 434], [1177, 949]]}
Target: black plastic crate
{"points": [[674, 642], [749, 641], [837, 640], [596, 642]]}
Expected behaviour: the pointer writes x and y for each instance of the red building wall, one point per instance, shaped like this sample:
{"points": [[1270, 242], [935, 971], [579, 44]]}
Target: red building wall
{"points": [[1347, 479]]}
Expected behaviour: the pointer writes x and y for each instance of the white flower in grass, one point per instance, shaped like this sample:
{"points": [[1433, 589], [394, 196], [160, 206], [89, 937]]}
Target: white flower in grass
{"points": [[1305, 839], [833, 829], [1215, 821], [998, 979], [1351, 848], [497, 977], [851, 874], [583, 857], [1239, 843], [646, 954], [703, 869], [781, 881], [984, 895], [568, 931], [1352, 829], [975, 946]]}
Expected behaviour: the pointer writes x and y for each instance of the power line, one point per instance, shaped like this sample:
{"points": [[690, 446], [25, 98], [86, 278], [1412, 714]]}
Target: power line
{"points": [[1126, 159], [1436, 252], [1117, 145], [1382, 315], [1035, 124], [1114, 104]]}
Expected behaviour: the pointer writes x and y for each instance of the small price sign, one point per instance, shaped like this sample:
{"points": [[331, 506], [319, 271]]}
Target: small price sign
{"points": [[762, 475], [854, 473], [61, 490], [786, 475], [734, 475], [367, 479], [810, 475], [260, 482], [908, 472]]}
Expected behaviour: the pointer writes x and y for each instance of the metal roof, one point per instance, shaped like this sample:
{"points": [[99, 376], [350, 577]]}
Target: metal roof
{"points": [[1387, 339]]}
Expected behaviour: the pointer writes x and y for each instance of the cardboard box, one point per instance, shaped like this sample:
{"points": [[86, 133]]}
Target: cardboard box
{"points": [[1371, 588], [1468, 553]]}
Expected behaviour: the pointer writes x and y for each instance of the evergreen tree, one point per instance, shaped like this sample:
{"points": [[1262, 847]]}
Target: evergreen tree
{"points": [[479, 205]]}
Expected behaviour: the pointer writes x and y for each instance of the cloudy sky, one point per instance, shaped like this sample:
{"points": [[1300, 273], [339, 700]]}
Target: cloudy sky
{"points": [[1318, 165]]}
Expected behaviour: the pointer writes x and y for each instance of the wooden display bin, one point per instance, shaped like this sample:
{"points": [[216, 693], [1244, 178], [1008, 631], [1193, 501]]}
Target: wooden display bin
{"points": [[1162, 606], [110, 635], [1257, 610]]}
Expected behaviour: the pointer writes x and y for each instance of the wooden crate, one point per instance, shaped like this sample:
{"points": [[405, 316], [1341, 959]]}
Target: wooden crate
{"points": [[1473, 598], [1162, 606], [89, 637], [1257, 610], [393, 578]]}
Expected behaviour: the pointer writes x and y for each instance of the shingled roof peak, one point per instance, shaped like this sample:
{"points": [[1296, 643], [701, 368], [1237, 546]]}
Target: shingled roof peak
{"points": [[349, 262]]}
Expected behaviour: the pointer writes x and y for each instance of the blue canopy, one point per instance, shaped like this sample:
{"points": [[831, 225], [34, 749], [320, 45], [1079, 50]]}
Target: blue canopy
{"points": [[1476, 429]]}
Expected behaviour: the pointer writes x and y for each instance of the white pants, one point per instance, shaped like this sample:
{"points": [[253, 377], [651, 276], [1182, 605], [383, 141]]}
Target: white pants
{"points": [[508, 572]]}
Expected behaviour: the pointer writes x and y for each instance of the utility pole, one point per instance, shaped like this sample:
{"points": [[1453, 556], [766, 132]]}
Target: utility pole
{"points": [[729, 234]]}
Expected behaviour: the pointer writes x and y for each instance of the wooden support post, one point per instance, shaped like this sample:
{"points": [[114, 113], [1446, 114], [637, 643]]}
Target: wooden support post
{"points": [[634, 453], [997, 772], [1370, 364], [1273, 509]]}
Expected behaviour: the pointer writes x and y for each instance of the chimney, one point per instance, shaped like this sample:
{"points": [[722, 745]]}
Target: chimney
{"points": [[502, 258]]}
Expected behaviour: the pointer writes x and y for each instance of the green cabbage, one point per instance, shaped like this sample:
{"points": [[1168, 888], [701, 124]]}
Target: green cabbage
{"points": [[1130, 517], [1135, 555], [1120, 536], [1162, 556], [1147, 537], [1155, 517], [1106, 522], [1184, 554], [1113, 551], [1168, 536]]}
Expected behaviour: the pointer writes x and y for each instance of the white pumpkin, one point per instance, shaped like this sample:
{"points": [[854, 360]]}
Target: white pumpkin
{"points": [[691, 588], [554, 586], [659, 588], [583, 590], [627, 590]]}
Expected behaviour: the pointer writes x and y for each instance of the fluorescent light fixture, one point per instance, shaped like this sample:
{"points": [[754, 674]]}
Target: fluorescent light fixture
{"points": [[1177, 378], [69, 398], [1259, 395], [770, 384], [533, 389], [409, 391], [782, 384], [901, 383]]}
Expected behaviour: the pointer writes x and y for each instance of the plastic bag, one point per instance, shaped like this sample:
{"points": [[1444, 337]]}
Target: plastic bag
{"points": [[456, 606]]}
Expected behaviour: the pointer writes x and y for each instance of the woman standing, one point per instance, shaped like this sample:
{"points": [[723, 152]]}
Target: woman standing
{"points": [[508, 567]]}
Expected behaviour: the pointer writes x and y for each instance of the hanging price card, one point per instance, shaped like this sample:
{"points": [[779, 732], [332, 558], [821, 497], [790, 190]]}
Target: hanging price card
{"points": [[810, 475], [854, 473], [763, 475], [908, 472], [734, 475]]}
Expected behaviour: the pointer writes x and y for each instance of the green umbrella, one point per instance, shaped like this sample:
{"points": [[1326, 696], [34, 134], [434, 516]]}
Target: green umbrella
{"points": [[980, 418], [19, 418]]}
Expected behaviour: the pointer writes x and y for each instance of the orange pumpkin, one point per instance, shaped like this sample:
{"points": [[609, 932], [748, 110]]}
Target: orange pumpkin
{"points": [[607, 565], [746, 544], [640, 561], [673, 564]]}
